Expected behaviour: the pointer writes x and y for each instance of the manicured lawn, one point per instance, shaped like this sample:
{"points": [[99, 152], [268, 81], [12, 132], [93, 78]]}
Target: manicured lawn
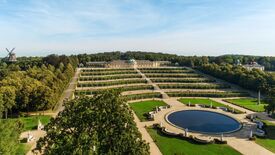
{"points": [[31, 122], [200, 101], [143, 107], [269, 141], [248, 103], [171, 146]]}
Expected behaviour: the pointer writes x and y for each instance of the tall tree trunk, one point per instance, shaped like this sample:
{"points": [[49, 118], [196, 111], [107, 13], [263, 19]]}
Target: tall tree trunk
{"points": [[6, 114]]}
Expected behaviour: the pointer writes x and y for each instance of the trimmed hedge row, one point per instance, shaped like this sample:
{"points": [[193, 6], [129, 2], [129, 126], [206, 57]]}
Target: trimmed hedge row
{"points": [[174, 75], [127, 88], [93, 78], [193, 86], [113, 69], [142, 96], [182, 80], [167, 71], [110, 83], [162, 68], [108, 73], [206, 94]]}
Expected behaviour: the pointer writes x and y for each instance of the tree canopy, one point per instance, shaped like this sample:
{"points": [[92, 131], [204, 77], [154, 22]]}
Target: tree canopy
{"points": [[102, 124]]}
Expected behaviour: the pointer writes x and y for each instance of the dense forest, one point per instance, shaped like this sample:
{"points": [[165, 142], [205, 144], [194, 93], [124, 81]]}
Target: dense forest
{"points": [[253, 80], [35, 83]]}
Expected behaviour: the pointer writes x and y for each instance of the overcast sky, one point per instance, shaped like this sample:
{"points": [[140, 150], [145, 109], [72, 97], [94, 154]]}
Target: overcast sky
{"points": [[184, 27]]}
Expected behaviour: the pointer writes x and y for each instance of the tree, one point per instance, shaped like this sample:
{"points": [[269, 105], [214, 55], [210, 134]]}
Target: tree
{"points": [[99, 125], [270, 99], [8, 98], [9, 133], [1, 105]]}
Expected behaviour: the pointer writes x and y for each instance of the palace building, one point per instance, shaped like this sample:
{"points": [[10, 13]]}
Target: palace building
{"points": [[127, 63]]}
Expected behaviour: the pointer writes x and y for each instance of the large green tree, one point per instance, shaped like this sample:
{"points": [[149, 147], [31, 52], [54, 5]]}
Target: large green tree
{"points": [[8, 98], [9, 133], [99, 125], [270, 99]]}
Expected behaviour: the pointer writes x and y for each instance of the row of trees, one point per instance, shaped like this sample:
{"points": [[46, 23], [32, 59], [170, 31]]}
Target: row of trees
{"points": [[191, 61], [33, 88], [253, 80]]}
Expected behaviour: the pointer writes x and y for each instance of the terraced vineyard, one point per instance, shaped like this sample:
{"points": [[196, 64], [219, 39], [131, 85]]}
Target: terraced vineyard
{"points": [[147, 83]]}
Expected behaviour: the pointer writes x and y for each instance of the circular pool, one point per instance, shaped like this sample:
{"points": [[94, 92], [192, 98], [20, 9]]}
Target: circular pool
{"points": [[203, 121]]}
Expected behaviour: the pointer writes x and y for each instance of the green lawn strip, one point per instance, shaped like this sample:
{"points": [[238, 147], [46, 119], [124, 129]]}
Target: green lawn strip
{"points": [[31, 122], [248, 103], [172, 145], [269, 141], [143, 107], [204, 101], [23, 149]]}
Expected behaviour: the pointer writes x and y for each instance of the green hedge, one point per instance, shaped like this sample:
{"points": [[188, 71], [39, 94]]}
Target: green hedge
{"points": [[142, 96], [206, 94], [105, 69], [174, 75], [167, 71], [110, 83], [93, 78], [193, 86], [162, 68], [182, 80], [108, 73], [126, 88]]}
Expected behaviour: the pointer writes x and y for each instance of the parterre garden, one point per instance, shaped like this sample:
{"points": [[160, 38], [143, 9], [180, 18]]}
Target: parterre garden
{"points": [[175, 82]]}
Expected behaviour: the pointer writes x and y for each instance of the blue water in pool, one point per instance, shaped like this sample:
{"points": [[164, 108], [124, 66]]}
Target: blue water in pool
{"points": [[204, 121]]}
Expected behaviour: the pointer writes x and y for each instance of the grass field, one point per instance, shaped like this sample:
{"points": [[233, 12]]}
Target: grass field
{"points": [[172, 146], [269, 141], [31, 122], [200, 101], [248, 103], [23, 149], [143, 107]]}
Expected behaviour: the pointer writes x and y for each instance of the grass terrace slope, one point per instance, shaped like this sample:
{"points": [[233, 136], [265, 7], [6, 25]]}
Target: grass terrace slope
{"points": [[206, 94], [108, 72], [110, 83], [193, 86], [111, 77], [121, 88]]}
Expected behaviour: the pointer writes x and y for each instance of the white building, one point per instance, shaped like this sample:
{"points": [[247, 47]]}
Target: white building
{"points": [[253, 65]]}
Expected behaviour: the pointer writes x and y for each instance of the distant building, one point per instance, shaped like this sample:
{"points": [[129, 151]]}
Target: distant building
{"points": [[127, 63], [254, 65]]}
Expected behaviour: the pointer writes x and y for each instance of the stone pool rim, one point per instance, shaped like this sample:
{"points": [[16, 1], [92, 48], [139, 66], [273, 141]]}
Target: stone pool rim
{"points": [[207, 133]]}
